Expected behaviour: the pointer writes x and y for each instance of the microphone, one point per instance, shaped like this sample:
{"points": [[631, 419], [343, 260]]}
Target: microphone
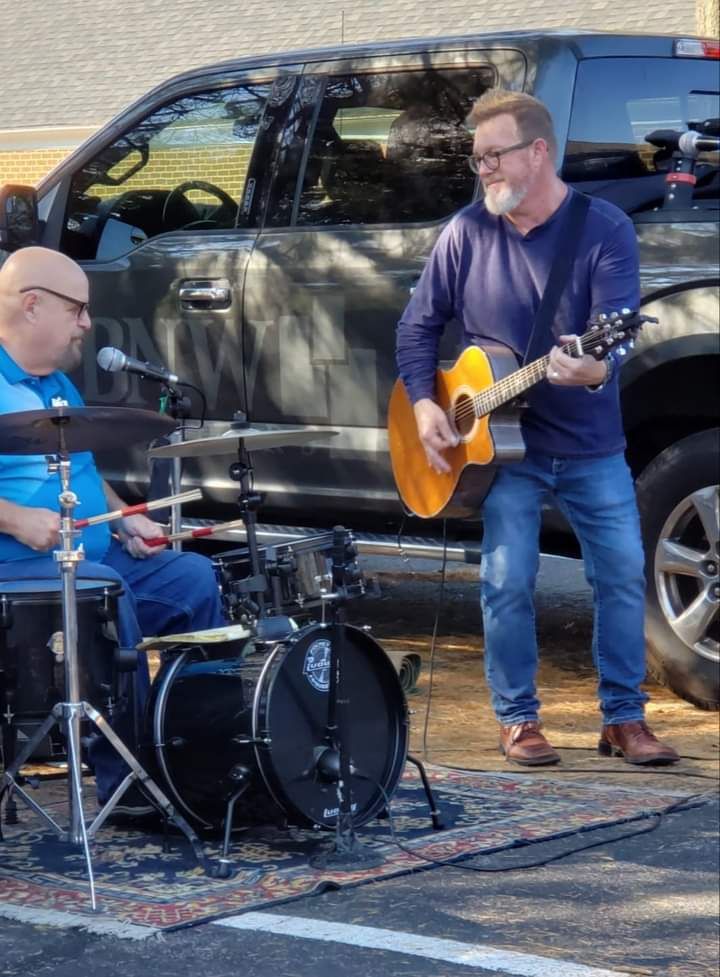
{"points": [[113, 360], [689, 143], [692, 143]]}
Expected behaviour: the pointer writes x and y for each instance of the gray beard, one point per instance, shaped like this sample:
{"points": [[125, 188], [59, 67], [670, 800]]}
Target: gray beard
{"points": [[504, 201], [70, 359]]}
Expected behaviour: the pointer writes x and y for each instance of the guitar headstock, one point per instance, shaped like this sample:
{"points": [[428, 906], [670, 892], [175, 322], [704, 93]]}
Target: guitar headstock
{"points": [[605, 332]]}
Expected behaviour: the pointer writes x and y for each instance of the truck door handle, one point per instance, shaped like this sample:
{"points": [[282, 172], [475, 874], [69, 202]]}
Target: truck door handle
{"points": [[200, 295]]}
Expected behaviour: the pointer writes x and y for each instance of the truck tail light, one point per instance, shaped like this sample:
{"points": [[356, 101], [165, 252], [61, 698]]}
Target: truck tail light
{"points": [[695, 47]]}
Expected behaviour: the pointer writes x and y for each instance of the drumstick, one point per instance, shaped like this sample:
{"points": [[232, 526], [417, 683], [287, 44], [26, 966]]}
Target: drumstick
{"points": [[192, 496], [193, 533]]}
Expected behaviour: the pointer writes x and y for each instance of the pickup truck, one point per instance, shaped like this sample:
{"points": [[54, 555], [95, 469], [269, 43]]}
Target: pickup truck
{"points": [[256, 227]]}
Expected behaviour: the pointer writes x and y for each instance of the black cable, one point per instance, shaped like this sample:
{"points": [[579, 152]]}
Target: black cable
{"points": [[433, 640], [681, 804], [556, 771], [203, 409], [591, 749], [560, 771]]}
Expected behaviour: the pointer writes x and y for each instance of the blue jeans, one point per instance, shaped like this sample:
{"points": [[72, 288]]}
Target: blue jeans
{"points": [[597, 497], [168, 593]]}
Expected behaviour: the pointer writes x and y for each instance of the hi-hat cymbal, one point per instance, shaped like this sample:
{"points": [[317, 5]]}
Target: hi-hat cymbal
{"points": [[253, 438], [38, 432]]}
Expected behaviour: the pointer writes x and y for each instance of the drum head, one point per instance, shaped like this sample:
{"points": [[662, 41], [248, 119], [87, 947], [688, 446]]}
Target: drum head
{"points": [[49, 590], [291, 710]]}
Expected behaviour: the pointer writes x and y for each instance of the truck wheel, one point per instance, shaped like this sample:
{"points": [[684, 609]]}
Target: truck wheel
{"points": [[680, 515]]}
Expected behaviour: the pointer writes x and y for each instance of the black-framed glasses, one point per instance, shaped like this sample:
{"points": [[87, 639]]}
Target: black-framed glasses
{"points": [[491, 159], [82, 307]]}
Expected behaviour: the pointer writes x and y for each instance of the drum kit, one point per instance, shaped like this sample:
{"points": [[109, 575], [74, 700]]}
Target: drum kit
{"points": [[305, 725]]}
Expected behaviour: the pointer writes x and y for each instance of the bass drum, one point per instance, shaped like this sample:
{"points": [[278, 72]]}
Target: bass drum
{"points": [[257, 719]]}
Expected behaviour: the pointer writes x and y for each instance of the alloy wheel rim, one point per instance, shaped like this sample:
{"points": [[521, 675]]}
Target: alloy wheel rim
{"points": [[687, 557]]}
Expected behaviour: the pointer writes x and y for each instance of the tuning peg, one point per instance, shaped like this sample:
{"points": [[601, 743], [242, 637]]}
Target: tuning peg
{"points": [[632, 344], [602, 317], [622, 351], [614, 316]]}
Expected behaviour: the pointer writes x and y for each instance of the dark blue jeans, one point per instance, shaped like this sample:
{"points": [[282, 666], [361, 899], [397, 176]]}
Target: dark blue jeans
{"points": [[168, 593], [597, 497]]}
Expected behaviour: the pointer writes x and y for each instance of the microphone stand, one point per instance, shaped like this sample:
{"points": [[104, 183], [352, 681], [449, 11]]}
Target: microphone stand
{"points": [[179, 408], [334, 762]]}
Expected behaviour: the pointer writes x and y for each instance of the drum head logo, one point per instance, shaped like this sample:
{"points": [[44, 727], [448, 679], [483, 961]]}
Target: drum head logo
{"points": [[317, 665]]}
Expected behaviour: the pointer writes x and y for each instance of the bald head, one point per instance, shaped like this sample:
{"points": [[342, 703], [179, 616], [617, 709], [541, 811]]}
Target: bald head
{"points": [[42, 267], [43, 314]]}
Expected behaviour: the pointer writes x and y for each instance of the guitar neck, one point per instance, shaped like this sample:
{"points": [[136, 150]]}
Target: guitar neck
{"points": [[511, 387]]}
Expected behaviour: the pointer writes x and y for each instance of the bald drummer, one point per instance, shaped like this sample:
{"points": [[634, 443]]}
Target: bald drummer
{"points": [[44, 321]]}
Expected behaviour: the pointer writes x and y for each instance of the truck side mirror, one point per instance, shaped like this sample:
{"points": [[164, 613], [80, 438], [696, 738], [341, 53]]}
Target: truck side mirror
{"points": [[18, 217]]}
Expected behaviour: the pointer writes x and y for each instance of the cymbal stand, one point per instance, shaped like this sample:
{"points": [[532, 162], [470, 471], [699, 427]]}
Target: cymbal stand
{"points": [[177, 406], [334, 762], [253, 589], [68, 714]]}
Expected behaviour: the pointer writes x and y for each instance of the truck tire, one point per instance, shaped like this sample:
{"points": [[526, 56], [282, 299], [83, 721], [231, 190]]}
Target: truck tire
{"points": [[680, 516]]}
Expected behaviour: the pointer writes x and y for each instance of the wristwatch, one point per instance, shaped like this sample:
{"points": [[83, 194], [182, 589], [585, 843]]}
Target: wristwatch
{"points": [[610, 364]]}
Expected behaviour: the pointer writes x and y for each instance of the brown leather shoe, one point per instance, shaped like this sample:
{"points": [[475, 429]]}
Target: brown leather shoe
{"points": [[524, 743], [636, 743]]}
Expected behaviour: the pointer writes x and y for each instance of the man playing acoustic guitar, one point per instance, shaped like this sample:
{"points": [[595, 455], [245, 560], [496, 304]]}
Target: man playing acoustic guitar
{"points": [[488, 270]]}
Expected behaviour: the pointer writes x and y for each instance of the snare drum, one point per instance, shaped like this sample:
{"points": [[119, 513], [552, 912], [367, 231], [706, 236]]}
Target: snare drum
{"points": [[296, 573], [32, 675], [259, 715]]}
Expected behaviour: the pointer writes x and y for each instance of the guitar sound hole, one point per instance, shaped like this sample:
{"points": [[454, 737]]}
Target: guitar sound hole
{"points": [[463, 415]]}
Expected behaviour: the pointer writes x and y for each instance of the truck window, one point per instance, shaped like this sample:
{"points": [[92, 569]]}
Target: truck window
{"points": [[183, 167], [617, 102], [389, 147]]}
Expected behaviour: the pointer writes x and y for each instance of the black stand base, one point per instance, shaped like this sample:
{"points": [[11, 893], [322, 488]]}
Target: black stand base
{"points": [[347, 855], [11, 783]]}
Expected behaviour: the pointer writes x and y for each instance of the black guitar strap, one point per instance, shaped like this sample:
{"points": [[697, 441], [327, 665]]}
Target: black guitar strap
{"points": [[569, 238]]}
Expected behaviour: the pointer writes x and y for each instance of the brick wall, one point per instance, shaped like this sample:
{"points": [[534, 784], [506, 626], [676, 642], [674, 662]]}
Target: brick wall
{"points": [[224, 166], [28, 166]]}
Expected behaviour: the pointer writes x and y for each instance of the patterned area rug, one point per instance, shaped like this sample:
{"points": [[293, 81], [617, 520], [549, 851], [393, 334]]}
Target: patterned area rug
{"points": [[138, 883]]}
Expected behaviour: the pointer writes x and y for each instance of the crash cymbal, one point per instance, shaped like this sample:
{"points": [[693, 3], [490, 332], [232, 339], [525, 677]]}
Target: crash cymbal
{"points": [[38, 432], [253, 438]]}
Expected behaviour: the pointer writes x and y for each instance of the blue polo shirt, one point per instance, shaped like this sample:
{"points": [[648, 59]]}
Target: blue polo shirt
{"points": [[490, 278], [24, 479]]}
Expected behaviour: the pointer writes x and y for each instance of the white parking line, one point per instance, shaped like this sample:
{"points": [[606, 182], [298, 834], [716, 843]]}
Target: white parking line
{"points": [[451, 951]]}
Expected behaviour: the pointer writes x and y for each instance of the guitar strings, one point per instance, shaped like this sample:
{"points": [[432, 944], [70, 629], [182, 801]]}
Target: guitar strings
{"points": [[511, 386]]}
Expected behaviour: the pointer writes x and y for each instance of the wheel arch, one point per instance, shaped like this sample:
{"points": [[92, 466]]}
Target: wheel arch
{"points": [[669, 390]]}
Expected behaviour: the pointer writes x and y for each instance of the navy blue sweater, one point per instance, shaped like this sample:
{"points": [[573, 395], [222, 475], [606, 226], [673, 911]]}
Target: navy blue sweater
{"points": [[490, 278]]}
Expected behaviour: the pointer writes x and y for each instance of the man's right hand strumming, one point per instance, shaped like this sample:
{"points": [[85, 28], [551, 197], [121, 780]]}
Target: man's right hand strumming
{"points": [[37, 528], [435, 433]]}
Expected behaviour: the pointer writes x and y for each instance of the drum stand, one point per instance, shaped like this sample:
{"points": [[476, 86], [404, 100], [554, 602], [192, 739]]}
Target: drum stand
{"points": [[68, 714], [333, 762]]}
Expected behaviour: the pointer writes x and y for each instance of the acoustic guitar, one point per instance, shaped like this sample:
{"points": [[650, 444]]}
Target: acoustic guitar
{"points": [[479, 394]]}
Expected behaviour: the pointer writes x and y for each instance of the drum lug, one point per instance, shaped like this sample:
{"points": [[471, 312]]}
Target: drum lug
{"points": [[251, 741], [6, 614], [176, 742]]}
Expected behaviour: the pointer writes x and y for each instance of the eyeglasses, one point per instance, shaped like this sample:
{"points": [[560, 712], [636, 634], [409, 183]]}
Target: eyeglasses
{"points": [[491, 159], [81, 307]]}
